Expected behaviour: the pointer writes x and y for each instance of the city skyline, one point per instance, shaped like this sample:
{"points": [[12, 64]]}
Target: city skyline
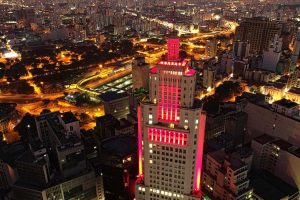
{"points": [[149, 100]]}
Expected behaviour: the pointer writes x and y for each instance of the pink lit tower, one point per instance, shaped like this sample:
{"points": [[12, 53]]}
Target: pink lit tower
{"points": [[170, 132]]}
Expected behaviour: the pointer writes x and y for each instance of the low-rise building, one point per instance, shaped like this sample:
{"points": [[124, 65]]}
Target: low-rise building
{"points": [[286, 107], [225, 176], [277, 156], [108, 126], [116, 104]]}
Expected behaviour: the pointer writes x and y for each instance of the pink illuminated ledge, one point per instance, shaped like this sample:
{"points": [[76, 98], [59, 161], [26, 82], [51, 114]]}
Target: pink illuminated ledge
{"points": [[190, 72], [167, 136], [153, 70]]}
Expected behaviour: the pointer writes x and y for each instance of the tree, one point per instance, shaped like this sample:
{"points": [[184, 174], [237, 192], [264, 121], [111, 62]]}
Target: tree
{"points": [[228, 90], [183, 54], [223, 93], [82, 99], [24, 88], [45, 111], [46, 101], [126, 47], [26, 127]]}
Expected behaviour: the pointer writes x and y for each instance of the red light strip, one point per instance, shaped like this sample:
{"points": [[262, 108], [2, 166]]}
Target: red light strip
{"points": [[177, 99], [172, 92], [198, 168], [161, 106], [169, 98], [173, 49], [167, 137], [167, 101], [140, 139]]}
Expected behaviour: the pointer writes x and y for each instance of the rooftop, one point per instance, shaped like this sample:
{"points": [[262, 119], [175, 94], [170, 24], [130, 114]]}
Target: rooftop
{"points": [[282, 144], [251, 97], [119, 146], [65, 139], [28, 157], [277, 189], [57, 179], [294, 90], [234, 160], [110, 96], [69, 117], [297, 152], [107, 118], [276, 85], [10, 152], [286, 103], [124, 123], [264, 139], [257, 100]]}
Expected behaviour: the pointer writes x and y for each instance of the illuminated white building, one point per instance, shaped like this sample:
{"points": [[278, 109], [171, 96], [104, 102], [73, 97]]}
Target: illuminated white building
{"points": [[170, 132], [272, 56]]}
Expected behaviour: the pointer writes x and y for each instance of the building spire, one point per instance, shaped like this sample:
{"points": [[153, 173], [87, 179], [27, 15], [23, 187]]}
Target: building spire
{"points": [[174, 15], [173, 41]]}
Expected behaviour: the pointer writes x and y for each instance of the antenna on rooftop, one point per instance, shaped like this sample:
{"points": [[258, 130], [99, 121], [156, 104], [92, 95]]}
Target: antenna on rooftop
{"points": [[174, 14]]}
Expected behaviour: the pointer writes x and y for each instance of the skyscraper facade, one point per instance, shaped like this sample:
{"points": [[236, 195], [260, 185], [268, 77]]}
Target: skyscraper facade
{"points": [[170, 132], [258, 32]]}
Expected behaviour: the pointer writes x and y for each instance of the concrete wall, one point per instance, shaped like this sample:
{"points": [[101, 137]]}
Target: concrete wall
{"points": [[261, 120]]}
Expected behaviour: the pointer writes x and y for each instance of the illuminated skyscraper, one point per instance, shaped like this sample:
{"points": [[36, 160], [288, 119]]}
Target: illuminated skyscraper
{"points": [[170, 132]]}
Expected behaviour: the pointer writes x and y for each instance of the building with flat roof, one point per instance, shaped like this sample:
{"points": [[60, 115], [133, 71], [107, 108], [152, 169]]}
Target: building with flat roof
{"points": [[274, 120], [54, 128], [116, 104], [105, 126], [286, 107], [108, 126], [225, 176], [57, 132], [277, 156]]}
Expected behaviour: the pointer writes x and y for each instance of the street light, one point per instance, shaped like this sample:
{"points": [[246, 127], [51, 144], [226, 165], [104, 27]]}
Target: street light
{"points": [[217, 17]]}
